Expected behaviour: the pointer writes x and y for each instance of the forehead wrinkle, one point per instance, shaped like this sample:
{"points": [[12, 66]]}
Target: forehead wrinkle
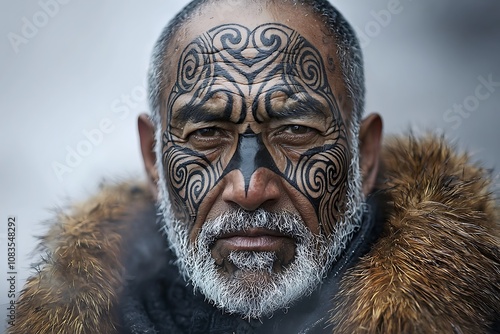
{"points": [[252, 82]]}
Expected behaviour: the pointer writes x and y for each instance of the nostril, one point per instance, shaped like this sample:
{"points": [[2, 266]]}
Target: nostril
{"points": [[261, 190]]}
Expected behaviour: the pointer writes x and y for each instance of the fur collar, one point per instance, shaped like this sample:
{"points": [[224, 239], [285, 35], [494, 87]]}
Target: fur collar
{"points": [[436, 268]]}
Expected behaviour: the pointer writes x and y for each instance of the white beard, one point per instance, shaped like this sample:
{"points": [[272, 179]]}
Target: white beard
{"points": [[258, 291]]}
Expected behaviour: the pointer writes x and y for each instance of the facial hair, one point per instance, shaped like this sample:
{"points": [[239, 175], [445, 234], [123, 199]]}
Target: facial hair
{"points": [[258, 291]]}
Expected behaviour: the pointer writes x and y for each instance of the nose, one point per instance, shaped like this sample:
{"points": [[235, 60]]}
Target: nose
{"points": [[261, 191]]}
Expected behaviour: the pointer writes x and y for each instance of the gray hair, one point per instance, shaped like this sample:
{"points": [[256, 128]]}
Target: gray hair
{"points": [[348, 51]]}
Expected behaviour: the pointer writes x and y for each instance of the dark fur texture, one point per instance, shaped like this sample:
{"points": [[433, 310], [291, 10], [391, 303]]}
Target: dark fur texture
{"points": [[436, 269]]}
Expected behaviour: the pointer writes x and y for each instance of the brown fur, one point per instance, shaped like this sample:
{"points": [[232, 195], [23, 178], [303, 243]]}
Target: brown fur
{"points": [[435, 270], [437, 267], [81, 273]]}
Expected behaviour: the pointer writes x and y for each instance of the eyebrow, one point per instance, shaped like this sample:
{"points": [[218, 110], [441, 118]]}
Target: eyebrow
{"points": [[304, 108], [197, 114]]}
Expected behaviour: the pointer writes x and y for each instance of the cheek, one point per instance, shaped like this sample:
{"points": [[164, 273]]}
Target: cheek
{"points": [[190, 177], [321, 176]]}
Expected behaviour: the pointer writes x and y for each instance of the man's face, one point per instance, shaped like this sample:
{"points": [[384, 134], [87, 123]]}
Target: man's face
{"points": [[255, 159]]}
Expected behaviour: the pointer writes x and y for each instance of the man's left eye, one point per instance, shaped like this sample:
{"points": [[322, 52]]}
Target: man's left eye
{"points": [[298, 129]]}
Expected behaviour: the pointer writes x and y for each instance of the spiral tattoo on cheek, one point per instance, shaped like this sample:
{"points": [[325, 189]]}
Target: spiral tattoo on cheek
{"points": [[243, 66]]}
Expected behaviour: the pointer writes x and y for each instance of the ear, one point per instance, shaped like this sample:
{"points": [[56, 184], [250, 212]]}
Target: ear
{"points": [[147, 138], [370, 137]]}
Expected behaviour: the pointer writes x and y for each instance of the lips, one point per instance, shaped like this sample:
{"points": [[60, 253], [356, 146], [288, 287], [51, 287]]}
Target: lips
{"points": [[256, 239]]}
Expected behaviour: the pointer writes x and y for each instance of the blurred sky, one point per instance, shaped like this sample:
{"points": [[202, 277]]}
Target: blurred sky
{"points": [[82, 66]]}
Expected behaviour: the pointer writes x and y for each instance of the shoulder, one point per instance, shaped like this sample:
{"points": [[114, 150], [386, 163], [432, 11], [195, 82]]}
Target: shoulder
{"points": [[79, 277], [437, 266]]}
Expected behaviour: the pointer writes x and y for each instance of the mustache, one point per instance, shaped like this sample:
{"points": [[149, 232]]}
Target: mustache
{"points": [[284, 222]]}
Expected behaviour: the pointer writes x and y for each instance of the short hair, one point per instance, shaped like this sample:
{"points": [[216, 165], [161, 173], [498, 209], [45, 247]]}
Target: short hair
{"points": [[348, 51]]}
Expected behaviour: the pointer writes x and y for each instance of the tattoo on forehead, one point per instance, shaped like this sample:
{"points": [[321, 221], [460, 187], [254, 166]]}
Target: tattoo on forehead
{"points": [[245, 61]]}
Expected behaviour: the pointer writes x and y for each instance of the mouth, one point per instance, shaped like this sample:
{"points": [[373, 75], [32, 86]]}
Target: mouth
{"points": [[255, 239]]}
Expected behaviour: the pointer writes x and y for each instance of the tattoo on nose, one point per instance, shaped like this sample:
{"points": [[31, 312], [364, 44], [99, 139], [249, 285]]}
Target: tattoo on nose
{"points": [[251, 154]]}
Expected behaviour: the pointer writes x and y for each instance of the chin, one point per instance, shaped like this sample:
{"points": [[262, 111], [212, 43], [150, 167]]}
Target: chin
{"points": [[253, 284]]}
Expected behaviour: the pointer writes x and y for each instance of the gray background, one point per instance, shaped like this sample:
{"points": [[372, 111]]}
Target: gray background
{"points": [[88, 56]]}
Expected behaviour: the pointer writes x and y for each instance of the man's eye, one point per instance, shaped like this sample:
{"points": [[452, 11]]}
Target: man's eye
{"points": [[298, 129], [207, 132], [208, 138]]}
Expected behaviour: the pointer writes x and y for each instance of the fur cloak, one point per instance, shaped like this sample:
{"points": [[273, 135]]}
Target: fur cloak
{"points": [[434, 269]]}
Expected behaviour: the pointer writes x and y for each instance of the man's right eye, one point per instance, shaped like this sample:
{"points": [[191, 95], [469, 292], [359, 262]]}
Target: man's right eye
{"points": [[207, 132], [208, 138]]}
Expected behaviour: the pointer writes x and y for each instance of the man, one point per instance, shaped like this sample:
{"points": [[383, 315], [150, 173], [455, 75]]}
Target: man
{"points": [[275, 216]]}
